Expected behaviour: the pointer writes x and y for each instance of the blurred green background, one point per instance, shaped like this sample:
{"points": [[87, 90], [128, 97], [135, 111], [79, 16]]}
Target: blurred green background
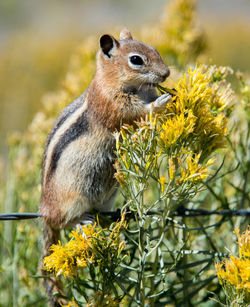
{"points": [[38, 37], [41, 42]]}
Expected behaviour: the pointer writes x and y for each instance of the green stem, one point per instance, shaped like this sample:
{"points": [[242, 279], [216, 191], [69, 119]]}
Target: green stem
{"points": [[142, 255], [185, 273]]}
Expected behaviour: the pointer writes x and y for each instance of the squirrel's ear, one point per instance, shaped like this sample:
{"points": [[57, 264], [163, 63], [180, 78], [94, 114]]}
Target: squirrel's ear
{"points": [[125, 34], [108, 43]]}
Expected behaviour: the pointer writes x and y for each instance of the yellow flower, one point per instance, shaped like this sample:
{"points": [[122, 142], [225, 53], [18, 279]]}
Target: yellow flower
{"points": [[194, 171], [147, 164], [151, 118], [76, 253], [73, 303], [152, 159], [162, 182], [125, 159], [197, 110], [193, 91], [244, 242], [60, 261], [193, 120], [236, 271], [174, 128], [84, 249], [171, 169], [123, 134]]}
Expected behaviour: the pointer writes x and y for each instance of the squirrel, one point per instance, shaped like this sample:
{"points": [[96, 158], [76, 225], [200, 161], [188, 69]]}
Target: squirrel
{"points": [[78, 163]]}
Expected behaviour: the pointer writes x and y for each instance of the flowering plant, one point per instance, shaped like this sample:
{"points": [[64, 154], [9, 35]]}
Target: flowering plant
{"points": [[171, 154], [95, 251], [234, 273], [174, 148]]}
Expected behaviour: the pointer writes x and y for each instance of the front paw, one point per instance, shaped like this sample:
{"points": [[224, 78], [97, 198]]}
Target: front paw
{"points": [[160, 102]]}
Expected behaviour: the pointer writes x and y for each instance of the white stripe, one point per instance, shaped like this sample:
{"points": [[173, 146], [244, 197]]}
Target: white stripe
{"points": [[60, 132]]}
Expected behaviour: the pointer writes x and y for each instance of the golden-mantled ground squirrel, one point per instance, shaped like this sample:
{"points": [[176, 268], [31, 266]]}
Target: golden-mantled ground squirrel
{"points": [[78, 172]]}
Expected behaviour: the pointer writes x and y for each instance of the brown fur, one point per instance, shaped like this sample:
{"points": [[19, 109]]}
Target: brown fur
{"points": [[114, 110]]}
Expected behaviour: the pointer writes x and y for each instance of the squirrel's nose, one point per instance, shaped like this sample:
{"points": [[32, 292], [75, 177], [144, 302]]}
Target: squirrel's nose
{"points": [[165, 74]]}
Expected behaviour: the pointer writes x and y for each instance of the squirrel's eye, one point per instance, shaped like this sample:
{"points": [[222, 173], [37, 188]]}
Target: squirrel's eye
{"points": [[136, 60]]}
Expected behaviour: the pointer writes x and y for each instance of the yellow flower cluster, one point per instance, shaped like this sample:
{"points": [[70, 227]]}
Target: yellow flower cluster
{"points": [[192, 127], [174, 128], [77, 253], [244, 243], [194, 170], [190, 170], [73, 303], [197, 111], [236, 270], [90, 245]]}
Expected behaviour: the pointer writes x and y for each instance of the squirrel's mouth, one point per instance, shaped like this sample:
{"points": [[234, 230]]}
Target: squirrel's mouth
{"points": [[138, 88], [149, 85]]}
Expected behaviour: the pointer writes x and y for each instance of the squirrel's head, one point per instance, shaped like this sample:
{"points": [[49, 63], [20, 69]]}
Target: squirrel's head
{"points": [[129, 63]]}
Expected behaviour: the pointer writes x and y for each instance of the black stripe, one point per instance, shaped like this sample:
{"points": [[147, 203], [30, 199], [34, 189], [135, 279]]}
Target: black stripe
{"points": [[77, 129], [66, 113]]}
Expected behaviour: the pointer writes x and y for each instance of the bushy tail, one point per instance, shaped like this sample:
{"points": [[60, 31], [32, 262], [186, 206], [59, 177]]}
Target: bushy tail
{"points": [[51, 284]]}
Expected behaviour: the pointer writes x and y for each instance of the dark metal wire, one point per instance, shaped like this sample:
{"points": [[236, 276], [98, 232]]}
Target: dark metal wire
{"points": [[19, 216], [182, 211], [115, 215]]}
